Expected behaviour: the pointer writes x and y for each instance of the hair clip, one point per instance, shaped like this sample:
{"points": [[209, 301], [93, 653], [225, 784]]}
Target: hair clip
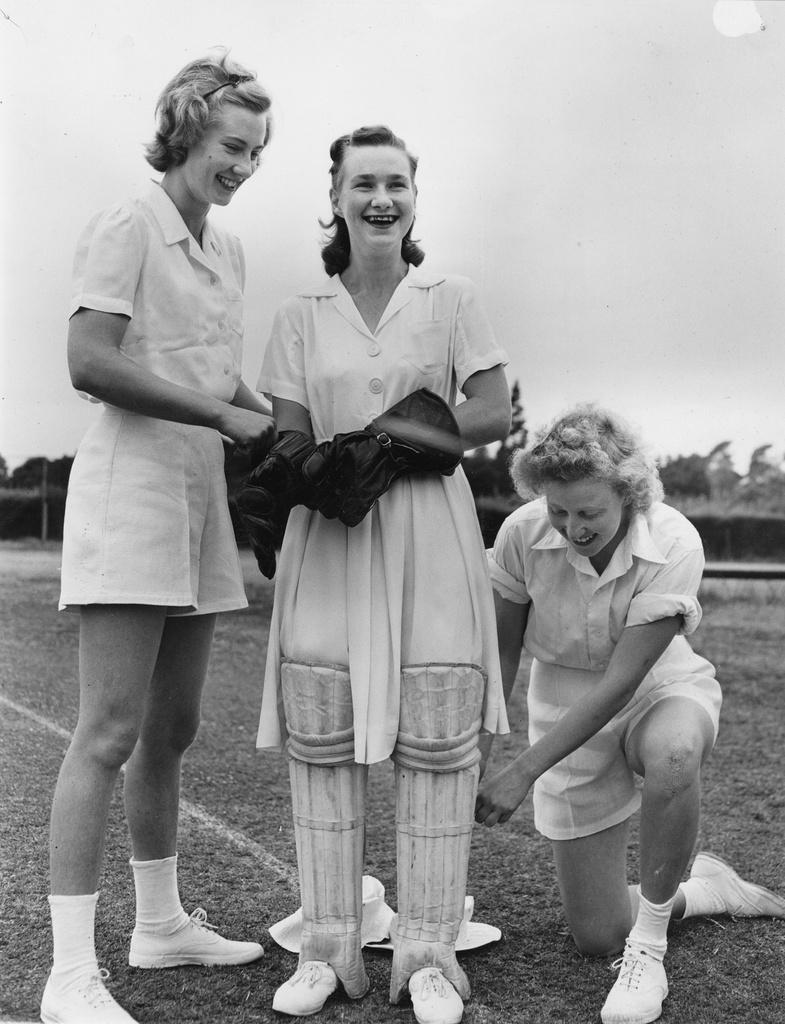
{"points": [[233, 80]]}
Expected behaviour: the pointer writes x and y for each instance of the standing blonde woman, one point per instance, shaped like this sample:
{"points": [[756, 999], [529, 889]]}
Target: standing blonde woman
{"points": [[382, 640], [149, 556]]}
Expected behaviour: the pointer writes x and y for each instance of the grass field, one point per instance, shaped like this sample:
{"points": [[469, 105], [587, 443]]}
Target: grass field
{"points": [[237, 850]]}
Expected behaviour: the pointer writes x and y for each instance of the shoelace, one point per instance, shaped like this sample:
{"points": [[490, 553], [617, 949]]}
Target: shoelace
{"points": [[630, 968], [432, 984], [308, 974], [198, 917], [94, 992]]}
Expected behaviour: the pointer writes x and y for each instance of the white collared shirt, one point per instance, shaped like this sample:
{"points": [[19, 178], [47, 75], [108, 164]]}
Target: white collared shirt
{"points": [[434, 333], [185, 303], [577, 616]]}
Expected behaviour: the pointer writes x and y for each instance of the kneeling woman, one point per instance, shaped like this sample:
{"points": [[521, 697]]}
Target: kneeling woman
{"points": [[598, 580]]}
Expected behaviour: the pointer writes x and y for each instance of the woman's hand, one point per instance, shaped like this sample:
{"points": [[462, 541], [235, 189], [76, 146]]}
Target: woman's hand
{"points": [[636, 652], [99, 367], [501, 795], [247, 427]]}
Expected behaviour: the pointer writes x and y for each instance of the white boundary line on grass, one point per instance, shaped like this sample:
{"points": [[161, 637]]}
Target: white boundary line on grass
{"points": [[190, 810], [206, 820]]}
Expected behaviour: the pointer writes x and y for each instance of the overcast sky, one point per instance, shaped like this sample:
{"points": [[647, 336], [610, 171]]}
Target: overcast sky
{"points": [[609, 172]]}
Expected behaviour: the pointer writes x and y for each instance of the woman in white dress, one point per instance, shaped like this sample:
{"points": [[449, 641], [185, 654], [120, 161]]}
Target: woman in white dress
{"points": [[149, 555], [382, 640]]}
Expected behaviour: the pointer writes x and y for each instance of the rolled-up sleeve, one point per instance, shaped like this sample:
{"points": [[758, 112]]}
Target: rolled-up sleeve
{"points": [[671, 591], [505, 564]]}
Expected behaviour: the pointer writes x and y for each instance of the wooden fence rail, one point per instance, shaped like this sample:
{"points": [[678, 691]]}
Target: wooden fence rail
{"points": [[744, 570]]}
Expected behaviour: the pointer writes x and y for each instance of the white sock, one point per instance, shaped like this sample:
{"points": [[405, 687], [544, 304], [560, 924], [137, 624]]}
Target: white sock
{"points": [[700, 899], [158, 907], [650, 931], [73, 932]]}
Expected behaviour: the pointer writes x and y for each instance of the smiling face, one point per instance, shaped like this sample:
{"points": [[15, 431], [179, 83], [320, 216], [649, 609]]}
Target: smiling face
{"points": [[375, 195], [589, 514], [216, 166]]}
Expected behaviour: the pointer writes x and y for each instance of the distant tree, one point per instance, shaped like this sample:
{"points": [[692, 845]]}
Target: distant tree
{"points": [[3, 472], [713, 476], [518, 432], [762, 467], [685, 475], [723, 478], [764, 484], [60, 471], [28, 476], [481, 472]]}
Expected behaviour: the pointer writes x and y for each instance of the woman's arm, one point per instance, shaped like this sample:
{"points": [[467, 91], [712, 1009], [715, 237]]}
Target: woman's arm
{"points": [[244, 398], [291, 416], [510, 627], [485, 415], [636, 652], [511, 618], [98, 366]]}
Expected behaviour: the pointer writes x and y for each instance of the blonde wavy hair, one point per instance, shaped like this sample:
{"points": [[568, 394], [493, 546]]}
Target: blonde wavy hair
{"points": [[192, 101], [588, 441]]}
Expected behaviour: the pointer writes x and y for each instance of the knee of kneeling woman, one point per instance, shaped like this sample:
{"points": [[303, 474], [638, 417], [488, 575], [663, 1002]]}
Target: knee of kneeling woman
{"points": [[600, 938], [676, 767]]}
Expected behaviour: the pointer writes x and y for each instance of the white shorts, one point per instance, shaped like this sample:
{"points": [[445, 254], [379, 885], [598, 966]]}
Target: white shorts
{"points": [[147, 519], [595, 788]]}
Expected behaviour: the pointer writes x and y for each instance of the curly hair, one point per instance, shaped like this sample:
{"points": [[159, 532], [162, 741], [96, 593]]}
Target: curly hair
{"points": [[589, 442], [191, 101], [336, 249]]}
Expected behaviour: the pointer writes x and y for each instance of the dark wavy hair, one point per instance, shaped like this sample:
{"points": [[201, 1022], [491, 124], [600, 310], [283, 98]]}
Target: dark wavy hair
{"points": [[589, 442], [191, 101], [337, 250]]}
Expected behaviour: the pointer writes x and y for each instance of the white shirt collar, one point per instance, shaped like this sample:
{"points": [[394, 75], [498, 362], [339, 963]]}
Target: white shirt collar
{"points": [[166, 213], [174, 228], [637, 543], [331, 286]]}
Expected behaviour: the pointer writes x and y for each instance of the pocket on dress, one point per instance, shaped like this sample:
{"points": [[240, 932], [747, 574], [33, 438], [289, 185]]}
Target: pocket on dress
{"points": [[428, 348]]}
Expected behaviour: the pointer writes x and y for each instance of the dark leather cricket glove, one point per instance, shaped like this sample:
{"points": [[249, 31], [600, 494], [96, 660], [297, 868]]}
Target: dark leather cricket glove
{"points": [[419, 434], [273, 488]]}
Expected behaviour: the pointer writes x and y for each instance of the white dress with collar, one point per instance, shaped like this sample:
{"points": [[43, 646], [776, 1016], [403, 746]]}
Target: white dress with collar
{"points": [[147, 519], [409, 584]]}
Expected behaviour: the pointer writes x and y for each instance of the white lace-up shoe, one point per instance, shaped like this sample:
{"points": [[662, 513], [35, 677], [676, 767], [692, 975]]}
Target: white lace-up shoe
{"points": [[87, 1001], [738, 898], [197, 942], [307, 990], [434, 999], [638, 992]]}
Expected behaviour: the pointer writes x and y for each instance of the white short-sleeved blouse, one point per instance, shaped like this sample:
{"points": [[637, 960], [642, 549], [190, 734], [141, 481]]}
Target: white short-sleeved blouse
{"points": [[185, 303], [409, 584], [576, 616], [434, 333]]}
